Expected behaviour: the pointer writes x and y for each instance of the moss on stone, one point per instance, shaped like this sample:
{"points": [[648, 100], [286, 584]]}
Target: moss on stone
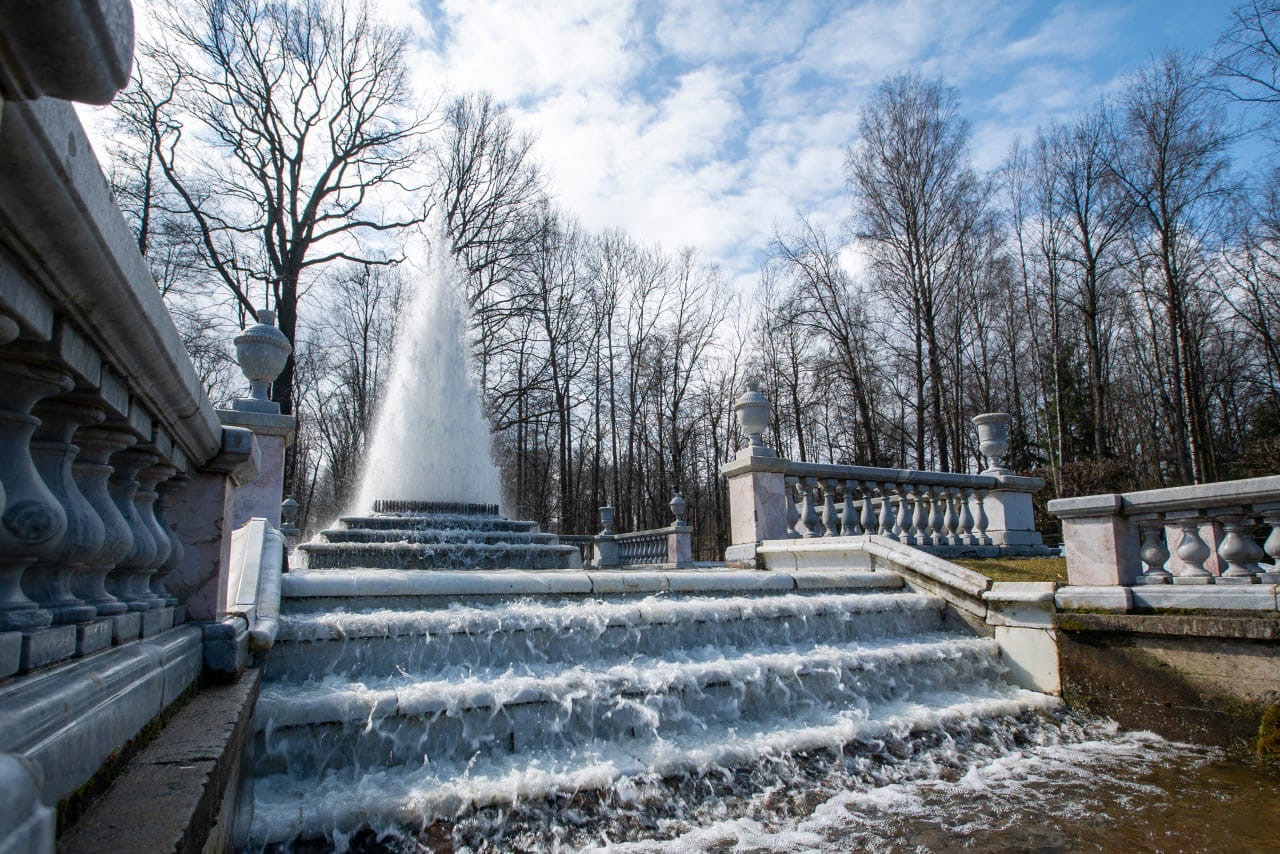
{"points": [[1019, 568], [1268, 744]]}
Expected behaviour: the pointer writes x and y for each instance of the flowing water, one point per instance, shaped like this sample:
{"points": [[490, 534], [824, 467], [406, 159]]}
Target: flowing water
{"points": [[430, 440], [702, 710]]}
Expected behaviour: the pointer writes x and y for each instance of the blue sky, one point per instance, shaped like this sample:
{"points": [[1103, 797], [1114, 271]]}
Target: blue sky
{"points": [[708, 122]]}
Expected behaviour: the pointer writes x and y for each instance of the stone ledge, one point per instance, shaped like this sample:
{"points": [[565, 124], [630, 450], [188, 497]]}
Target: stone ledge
{"points": [[170, 796], [1240, 627], [70, 717]]}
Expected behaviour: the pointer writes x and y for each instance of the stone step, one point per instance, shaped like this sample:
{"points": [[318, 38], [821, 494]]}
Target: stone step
{"points": [[413, 795], [434, 535], [360, 589], [437, 521], [379, 643], [459, 555], [320, 727]]}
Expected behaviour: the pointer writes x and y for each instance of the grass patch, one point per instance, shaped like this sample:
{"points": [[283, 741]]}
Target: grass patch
{"points": [[1019, 568]]}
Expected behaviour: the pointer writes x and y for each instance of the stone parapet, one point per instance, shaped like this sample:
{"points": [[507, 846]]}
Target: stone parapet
{"points": [[1185, 535]]}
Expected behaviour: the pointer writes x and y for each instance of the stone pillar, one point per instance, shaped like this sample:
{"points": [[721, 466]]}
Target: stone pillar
{"points": [[261, 351], [202, 516], [605, 550], [757, 484], [1011, 518], [1102, 545]]}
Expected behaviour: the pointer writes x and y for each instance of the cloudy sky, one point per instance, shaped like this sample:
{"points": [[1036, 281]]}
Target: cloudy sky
{"points": [[708, 122]]}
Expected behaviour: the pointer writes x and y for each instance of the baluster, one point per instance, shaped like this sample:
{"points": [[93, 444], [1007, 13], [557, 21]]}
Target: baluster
{"points": [[128, 578], [888, 519], [937, 523], [809, 512], [49, 580], [849, 525], [793, 512], [92, 471], [1193, 551], [147, 496], [830, 521], [870, 524], [166, 491], [919, 518], [1272, 547], [965, 525], [1238, 549], [903, 527], [33, 519], [1154, 552], [951, 521], [980, 520]]}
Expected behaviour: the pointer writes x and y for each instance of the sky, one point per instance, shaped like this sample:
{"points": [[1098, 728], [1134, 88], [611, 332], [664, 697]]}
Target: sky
{"points": [[711, 123]]}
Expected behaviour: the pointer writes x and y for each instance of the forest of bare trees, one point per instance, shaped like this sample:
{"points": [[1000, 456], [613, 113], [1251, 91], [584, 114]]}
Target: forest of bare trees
{"points": [[1115, 283]]}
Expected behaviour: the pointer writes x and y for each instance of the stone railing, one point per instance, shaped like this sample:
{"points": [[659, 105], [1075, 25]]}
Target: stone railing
{"points": [[585, 544], [1185, 535], [771, 498], [251, 613], [120, 484], [672, 545]]}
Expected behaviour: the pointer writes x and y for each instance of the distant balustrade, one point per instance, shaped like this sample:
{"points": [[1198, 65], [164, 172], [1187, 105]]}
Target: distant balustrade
{"points": [[1215, 533], [672, 545], [941, 512]]}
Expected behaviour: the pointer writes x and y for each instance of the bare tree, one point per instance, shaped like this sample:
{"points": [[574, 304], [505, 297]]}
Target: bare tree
{"points": [[283, 130], [1172, 160], [915, 200]]}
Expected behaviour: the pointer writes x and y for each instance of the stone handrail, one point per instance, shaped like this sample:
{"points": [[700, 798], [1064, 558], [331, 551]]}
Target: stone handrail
{"points": [[584, 542], [1203, 534], [672, 545], [949, 513]]}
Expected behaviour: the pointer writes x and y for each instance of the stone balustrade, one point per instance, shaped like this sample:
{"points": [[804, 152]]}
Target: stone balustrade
{"points": [[1224, 533], [672, 545], [771, 498], [120, 484]]}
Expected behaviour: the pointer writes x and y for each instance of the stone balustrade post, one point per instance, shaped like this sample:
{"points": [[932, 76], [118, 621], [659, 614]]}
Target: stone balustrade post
{"points": [[605, 550], [1102, 545], [202, 515], [288, 523], [758, 503], [261, 351]]}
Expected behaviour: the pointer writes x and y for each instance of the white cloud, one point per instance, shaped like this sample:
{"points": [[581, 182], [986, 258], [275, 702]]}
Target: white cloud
{"points": [[709, 122]]}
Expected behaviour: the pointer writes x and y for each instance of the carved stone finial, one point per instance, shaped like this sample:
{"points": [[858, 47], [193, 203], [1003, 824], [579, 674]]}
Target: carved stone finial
{"points": [[261, 351]]}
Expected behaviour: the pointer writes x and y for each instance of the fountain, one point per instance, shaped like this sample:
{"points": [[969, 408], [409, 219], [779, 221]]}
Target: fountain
{"points": [[441, 666]]}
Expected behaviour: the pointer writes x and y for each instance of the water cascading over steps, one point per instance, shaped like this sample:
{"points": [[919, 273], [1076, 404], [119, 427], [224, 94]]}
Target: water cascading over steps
{"points": [[408, 687]]}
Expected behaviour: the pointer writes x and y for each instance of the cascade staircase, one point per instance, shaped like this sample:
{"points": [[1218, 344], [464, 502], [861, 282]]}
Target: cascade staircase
{"points": [[401, 691]]}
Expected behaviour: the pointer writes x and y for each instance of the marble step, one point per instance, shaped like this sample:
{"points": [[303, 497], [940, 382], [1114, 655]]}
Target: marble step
{"points": [[433, 535], [377, 643], [307, 591], [413, 795], [328, 725], [459, 555], [437, 521]]}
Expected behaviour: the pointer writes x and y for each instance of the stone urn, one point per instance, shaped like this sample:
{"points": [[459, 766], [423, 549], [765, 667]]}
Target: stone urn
{"points": [[678, 507], [993, 439], [752, 409], [261, 350], [606, 521]]}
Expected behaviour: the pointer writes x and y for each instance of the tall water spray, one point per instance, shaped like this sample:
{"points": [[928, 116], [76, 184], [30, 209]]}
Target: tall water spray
{"points": [[430, 439]]}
